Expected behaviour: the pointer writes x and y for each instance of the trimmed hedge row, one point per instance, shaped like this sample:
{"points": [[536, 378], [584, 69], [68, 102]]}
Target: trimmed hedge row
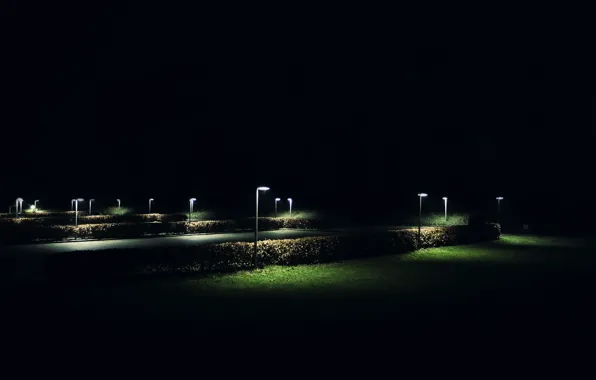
{"points": [[68, 218], [13, 233], [227, 257]]}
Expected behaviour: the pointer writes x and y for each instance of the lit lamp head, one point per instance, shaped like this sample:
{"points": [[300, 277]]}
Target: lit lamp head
{"points": [[91, 200], [290, 200], [277, 199], [444, 198], [191, 200], [32, 207], [151, 199], [422, 195], [263, 188], [500, 198], [80, 200]]}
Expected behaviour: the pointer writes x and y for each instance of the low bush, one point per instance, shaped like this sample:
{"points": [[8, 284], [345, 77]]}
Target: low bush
{"points": [[226, 257]]}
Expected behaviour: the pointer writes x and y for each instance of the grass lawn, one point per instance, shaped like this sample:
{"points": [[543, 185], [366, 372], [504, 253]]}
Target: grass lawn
{"points": [[521, 284]]}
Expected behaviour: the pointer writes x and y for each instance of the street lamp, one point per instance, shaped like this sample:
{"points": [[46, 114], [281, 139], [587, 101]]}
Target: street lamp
{"points": [[35, 203], [150, 200], [19, 203], [421, 195], [262, 188], [118, 200], [90, 202], [276, 200], [72, 202], [77, 210], [445, 199], [192, 201], [499, 199], [290, 200]]}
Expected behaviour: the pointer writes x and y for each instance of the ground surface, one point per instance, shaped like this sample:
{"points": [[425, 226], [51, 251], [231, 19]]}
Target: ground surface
{"points": [[518, 286]]}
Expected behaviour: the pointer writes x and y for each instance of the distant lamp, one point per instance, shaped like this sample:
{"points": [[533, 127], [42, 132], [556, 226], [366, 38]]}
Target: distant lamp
{"points": [[32, 207], [499, 199], [35, 203], [77, 210], [420, 195], [192, 201], [150, 200], [90, 203], [262, 188], [19, 205], [445, 199], [276, 200], [290, 201]]}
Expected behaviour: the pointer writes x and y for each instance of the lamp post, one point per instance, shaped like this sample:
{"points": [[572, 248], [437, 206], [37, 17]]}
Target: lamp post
{"points": [[150, 200], [118, 200], [290, 200], [445, 199], [19, 203], [72, 202], [35, 203], [90, 202], [499, 199], [276, 200], [421, 195], [262, 188], [192, 201], [77, 210]]}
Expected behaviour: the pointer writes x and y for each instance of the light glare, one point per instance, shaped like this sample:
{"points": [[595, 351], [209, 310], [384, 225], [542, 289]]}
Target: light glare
{"points": [[423, 195]]}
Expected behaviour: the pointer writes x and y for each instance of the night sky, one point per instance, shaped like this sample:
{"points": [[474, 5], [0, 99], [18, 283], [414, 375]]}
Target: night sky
{"points": [[361, 111]]}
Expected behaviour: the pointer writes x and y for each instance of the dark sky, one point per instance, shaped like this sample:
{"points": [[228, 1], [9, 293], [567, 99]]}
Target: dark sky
{"points": [[139, 99]]}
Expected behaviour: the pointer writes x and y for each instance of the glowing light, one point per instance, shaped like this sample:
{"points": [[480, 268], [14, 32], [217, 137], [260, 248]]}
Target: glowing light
{"points": [[263, 188], [500, 198], [423, 195]]}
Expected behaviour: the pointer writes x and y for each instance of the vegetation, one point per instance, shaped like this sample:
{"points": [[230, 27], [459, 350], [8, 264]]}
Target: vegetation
{"points": [[118, 211], [23, 230], [518, 288], [235, 256]]}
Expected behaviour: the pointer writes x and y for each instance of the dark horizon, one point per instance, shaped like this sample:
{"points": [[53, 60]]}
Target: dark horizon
{"points": [[134, 102]]}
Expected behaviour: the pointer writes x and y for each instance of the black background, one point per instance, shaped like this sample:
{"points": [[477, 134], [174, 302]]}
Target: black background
{"points": [[341, 109]]}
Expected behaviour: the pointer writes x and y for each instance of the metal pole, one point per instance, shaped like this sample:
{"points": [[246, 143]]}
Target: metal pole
{"points": [[445, 210], [276, 208], [498, 210], [290, 208], [149, 206], [190, 213], [76, 213], [419, 220], [90, 206], [256, 229]]}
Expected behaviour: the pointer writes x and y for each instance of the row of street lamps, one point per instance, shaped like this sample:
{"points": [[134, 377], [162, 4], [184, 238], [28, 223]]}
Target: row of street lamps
{"points": [[279, 199], [424, 195]]}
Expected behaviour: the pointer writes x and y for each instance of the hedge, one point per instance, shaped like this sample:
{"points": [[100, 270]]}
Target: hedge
{"points": [[226, 257], [28, 230], [68, 219]]}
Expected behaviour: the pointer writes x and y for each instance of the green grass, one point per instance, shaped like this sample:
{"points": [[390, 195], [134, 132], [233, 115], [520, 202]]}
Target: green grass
{"points": [[519, 283]]}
